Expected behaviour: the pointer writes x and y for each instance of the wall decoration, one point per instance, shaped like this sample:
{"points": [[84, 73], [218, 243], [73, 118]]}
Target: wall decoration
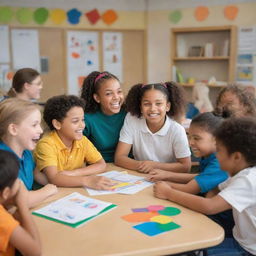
{"points": [[6, 14], [93, 16], [83, 57], [41, 15], [74, 16], [201, 13], [112, 53], [175, 16], [58, 16], [109, 17], [24, 15], [230, 12]]}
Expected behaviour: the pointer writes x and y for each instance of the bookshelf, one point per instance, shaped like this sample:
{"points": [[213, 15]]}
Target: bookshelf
{"points": [[203, 52]]}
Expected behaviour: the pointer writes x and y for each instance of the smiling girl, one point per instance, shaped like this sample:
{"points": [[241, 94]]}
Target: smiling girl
{"points": [[104, 114], [157, 141]]}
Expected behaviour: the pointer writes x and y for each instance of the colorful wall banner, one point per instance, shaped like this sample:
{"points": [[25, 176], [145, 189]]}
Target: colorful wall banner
{"points": [[201, 13], [6, 14], [175, 16], [41, 15], [74, 16], [24, 15], [93, 16], [58, 16], [109, 17], [230, 12]]}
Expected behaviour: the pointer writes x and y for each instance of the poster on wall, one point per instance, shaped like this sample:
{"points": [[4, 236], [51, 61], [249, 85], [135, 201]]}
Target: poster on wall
{"points": [[25, 49], [112, 53], [82, 56], [246, 56], [4, 49]]}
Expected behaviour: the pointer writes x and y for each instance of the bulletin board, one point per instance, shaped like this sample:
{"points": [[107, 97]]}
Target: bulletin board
{"points": [[53, 51]]}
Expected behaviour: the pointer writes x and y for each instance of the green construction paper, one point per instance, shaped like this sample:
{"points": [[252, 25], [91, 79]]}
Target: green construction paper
{"points": [[75, 225], [170, 211], [175, 16], [6, 14], [24, 15], [41, 15], [168, 226]]}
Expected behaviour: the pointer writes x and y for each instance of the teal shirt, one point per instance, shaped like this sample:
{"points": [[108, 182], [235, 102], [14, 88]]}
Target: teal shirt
{"points": [[103, 131]]}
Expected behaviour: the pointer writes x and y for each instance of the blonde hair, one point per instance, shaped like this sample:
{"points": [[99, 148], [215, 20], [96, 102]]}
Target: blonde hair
{"points": [[13, 111]]}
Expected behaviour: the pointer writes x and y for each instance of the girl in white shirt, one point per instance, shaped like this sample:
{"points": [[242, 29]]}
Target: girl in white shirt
{"points": [[156, 139]]}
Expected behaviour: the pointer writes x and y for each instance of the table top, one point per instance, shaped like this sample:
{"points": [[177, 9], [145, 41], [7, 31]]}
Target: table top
{"points": [[109, 234]]}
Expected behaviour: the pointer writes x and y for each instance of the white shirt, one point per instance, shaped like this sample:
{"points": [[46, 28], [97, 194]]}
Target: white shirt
{"points": [[240, 192], [165, 146]]}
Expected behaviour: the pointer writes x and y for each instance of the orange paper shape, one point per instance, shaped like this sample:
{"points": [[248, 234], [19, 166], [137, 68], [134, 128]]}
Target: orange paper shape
{"points": [[109, 17], [75, 55], [81, 81], [93, 16], [201, 13], [230, 12], [139, 216], [10, 75]]}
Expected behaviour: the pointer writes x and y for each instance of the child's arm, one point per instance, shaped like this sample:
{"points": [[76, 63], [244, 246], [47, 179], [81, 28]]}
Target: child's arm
{"points": [[207, 206], [97, 167], [191, 187], [40, 177], [96, 182], [25, 238]]}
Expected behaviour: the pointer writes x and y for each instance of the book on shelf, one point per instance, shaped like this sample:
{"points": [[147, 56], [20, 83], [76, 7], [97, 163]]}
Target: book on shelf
{"points": [[209, 50], [74, 210]]}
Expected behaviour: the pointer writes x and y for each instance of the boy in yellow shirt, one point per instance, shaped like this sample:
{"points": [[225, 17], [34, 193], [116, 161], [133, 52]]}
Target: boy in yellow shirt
{"points": [[24, 236], [63, 153]]}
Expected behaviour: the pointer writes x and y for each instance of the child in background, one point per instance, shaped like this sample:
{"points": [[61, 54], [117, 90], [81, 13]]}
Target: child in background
{"points": [[157, 141], [104, 113], [26, 84], [203, 145], [62, 153], [236, 152], [233, 101], [23, 236], [19, 132]]}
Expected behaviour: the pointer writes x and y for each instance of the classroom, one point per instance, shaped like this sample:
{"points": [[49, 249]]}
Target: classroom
{"points": [[128, 127]]}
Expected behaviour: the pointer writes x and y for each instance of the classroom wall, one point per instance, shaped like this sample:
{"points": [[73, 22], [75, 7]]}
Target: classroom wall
{"points": [[159, 30]]}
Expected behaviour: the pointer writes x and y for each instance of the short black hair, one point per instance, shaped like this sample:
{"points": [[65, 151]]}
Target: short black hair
{"points": [[239, 135], [208, 121], [57, 107], [9, 169]]}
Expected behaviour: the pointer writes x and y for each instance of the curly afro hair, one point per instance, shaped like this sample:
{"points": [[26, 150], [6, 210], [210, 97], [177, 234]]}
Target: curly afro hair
{"points": [[58, 106]]}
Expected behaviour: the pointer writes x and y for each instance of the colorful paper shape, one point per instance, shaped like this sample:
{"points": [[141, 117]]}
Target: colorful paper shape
{"points": [[230, 12], [41, 15], [201, 13], [139, 216], [170, 211], [74, 16], [169, 226], [155, 208], [140, 209], [175, 16], [109, 17], [58, 16], [6, 14], [161, 219], [24, 15], [93, 16], [149, 228], [81, 81]]}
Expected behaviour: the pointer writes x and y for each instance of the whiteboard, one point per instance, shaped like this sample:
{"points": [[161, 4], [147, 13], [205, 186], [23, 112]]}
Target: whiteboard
{"points": [[25, 49], [4, 45]]}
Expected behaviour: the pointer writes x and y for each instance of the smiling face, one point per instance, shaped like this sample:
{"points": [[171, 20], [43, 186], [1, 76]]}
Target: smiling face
{"points": [[33, 89], [154, 106], [201, 142], [71, 127], [110, 97]]}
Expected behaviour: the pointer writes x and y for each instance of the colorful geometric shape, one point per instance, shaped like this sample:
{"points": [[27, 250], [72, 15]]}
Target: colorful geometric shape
{"points": [[170, 211], [155, 208], [41, 15], [201, 13], [109, 17], [24, 15], [175, 16], [161, 219], [74, 16], [139, 216], [169, 226], [140, 210], [6, 14], [230, 12], [149, 228], [58, 16], [93, 16]]}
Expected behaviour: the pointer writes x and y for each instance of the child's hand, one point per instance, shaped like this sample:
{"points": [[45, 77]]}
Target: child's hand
{"points": [[157, 174], [21, 197], [161, 190], [146, 166], [50, 189], [99, 182]]}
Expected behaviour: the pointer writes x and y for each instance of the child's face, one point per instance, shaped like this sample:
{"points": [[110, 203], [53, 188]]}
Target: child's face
{"points": [[72, 126], [110, 97], [201, 141], [34, 88], [154, 106], [28, 132]]}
